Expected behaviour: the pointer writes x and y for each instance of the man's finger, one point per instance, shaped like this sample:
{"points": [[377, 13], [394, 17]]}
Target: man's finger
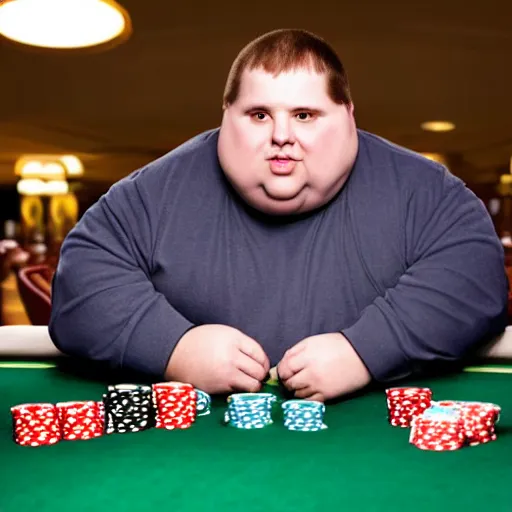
{"points": [[305, 392], [290, 365], [250, 367], [315, 396], [242, 383], [254, 350], [298, 381], [283, 371], [296, 349]]}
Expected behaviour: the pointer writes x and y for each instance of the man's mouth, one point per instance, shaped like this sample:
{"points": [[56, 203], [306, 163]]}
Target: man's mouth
{"points": [[282, 156], [281, 165]]}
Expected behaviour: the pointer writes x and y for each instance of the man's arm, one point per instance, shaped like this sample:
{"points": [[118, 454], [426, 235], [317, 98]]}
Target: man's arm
{"points": [[452, 296], [104, 305]]}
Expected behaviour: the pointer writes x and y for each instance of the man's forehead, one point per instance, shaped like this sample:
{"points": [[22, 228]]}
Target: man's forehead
{"points": [[303, 73], [294, 85]]}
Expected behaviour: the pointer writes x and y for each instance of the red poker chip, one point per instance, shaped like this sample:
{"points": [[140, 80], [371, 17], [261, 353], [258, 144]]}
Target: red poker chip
{"points": [[80, 420], [437, 434], [473, 424], [35, 424], [479, 420], [175, 404], [405, 403]]}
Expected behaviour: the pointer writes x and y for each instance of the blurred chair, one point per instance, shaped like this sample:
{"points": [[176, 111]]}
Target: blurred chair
{"points": [[11, 256], [34, 286]]}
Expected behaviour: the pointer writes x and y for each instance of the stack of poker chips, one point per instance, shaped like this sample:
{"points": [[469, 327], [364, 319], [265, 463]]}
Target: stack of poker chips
{"points": [[249, 410], [438, 428], [441, 425], [125, 408], [35, 424], [204, 403], [406, 403], [304, 415], [128, 408], [175, 404], [478, 419], [81, 420]]}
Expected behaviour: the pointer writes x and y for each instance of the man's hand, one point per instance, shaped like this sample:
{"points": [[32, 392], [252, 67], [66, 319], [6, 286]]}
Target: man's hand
{"points": [[322, 367], [218, 359]]}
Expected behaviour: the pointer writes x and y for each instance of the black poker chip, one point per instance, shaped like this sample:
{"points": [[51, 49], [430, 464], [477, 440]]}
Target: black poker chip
{"points": [[128, 408]]}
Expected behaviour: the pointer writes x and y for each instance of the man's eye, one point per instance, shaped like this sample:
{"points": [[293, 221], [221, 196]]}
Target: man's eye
{"points": [[304, 116], [260, 116]]}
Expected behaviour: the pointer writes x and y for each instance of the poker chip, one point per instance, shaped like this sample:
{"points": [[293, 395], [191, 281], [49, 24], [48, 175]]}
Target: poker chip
{"points": [[404, 403], [304, 415], [479, 420], [441, 425], [80, 420], [204, 403], [249, 410], [35, 424], [128, 408], [438, 429], [445, 425], [175, 405]]}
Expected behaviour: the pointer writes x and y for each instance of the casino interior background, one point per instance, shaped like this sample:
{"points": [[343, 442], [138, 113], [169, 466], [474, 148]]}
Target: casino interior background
{"points": [[75, 120]]}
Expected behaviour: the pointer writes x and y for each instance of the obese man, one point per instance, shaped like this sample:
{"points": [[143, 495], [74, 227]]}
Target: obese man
{"points": [[287, 237]]}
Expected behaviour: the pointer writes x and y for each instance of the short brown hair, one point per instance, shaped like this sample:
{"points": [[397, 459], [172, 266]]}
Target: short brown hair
{"points": [[286, 49]]}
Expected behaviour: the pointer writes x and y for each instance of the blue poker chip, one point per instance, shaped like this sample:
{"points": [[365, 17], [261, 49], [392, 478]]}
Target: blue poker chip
{"points": [[204, 403], [304, 415], [442, 413], [249, 410]]}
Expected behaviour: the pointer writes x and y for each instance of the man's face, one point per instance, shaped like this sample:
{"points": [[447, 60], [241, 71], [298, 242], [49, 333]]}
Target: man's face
{"points": [[284, 145]]}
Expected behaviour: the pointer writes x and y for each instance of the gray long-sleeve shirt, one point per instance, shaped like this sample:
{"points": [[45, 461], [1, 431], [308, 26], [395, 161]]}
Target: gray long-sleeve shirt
{"points": [[404, 261]]}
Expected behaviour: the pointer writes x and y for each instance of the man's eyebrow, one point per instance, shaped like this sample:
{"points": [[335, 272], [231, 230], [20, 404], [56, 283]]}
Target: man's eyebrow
{"points": [[256, 107], [307, 109], [250, 108]]}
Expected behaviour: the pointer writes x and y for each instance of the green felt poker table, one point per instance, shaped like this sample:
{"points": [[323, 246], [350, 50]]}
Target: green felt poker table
{"points": [[359, 463]]}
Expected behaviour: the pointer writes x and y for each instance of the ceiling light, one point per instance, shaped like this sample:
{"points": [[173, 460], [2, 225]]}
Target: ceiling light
{"points": [[48, 166], [436, 157], [63, 24], [37, 187], [73, 165], [438, 126]]}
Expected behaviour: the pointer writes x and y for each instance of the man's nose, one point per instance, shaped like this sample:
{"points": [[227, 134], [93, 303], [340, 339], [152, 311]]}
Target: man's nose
{"points": [[282, 132]]}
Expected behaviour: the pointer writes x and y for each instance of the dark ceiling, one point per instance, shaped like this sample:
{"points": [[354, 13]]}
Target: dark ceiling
{"points": [[407, 63]]}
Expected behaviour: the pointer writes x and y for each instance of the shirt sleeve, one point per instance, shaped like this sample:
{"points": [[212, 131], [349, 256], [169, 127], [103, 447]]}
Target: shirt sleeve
{"points": [[452, 295], [104, 305]]}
